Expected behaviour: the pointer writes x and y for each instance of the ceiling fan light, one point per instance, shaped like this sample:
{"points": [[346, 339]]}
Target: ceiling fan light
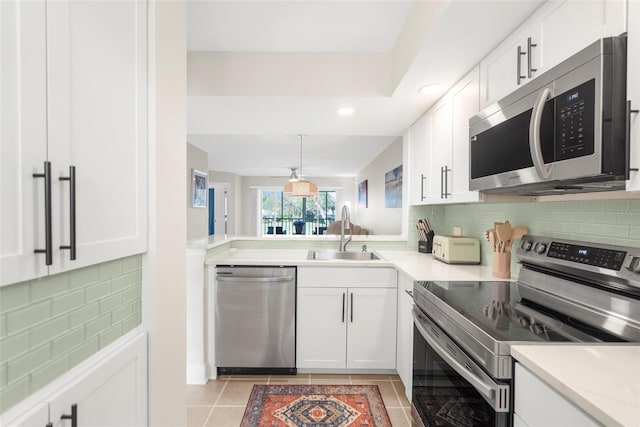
{"points": [[303, 188], [297, 186]]}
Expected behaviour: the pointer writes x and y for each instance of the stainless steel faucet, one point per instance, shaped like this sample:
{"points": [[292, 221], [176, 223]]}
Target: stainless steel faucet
{"points": [[345, 222]]}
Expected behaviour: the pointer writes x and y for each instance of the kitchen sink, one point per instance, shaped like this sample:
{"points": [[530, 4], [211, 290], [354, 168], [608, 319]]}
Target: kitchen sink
{"points": [[350, 256]]}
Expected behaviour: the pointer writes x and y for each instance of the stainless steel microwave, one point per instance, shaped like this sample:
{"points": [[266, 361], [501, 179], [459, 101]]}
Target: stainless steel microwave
{"points": [[564, 132]]}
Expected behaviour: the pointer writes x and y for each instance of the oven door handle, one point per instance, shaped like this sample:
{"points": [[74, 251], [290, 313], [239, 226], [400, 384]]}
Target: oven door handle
{"points": [[497, 395]]}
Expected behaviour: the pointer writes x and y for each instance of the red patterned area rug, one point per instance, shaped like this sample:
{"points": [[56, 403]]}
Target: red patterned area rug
{"points": [[315, 406]]}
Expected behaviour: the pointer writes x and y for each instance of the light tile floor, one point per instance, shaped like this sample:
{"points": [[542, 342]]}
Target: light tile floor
{"points": [[221, 402]]}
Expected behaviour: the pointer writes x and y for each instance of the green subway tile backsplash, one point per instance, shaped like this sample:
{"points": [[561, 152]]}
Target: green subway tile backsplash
{"points": [[51, 324], [615, 222]]}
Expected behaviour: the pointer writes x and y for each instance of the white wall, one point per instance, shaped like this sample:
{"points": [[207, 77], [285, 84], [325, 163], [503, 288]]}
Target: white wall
{"points": [[377, 218], [197, 218], [164, 265], [234, 206]]}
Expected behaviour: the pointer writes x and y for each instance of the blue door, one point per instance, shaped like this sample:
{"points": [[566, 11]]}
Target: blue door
{"points": [[212, 221]]}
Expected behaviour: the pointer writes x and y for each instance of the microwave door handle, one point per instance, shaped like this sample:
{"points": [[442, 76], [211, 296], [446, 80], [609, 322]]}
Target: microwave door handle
{"points": [[535, 148], [493, 393]]}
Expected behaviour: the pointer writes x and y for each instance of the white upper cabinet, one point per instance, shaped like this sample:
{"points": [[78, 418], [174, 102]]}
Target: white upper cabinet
{"points": [[633, 92], [418, 136], [448, 181], [23, 139], [76, 98], [556, 31], [510, 65], [464, 104]]}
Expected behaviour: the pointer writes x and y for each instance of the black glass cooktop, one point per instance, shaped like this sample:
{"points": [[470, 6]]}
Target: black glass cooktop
{"points": [[497, 308]]}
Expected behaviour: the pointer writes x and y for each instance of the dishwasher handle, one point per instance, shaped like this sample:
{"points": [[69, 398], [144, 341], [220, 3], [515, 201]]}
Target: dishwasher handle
{"points": [[246, 279]]}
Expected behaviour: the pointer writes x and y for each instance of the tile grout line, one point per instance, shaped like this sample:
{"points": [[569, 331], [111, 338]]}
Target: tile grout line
{"points": [[215, 403], [400, 403]]}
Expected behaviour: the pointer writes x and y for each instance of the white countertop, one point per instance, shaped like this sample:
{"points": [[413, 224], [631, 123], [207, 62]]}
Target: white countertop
{"points": [[602, 379], [416, 265]]}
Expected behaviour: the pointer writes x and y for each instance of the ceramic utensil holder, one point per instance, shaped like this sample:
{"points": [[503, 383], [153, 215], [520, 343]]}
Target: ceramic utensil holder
{"points": [[502, 265], [426, 246]]}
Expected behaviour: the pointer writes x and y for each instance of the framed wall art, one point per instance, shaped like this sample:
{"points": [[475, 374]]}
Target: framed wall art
{"points": [[198, 189], [393, 188], [363, 194]]}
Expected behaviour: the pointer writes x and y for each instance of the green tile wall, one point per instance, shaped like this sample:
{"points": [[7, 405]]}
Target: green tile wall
{"points": [[614, 222], [51, 324]]}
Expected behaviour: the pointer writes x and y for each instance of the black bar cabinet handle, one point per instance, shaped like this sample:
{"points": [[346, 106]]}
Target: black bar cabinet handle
{"points": [[344, 295], [49, 424], [627, 135], [446, 181], [48, 245], [351, 307], [73, 417], [72, 212], [519, 66], [530, 69], [422, 179]]}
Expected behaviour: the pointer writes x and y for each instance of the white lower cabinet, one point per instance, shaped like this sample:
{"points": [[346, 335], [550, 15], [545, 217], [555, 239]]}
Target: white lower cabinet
{"points": [[111, 390], [537, 404], [404, 363], [346, 327]]}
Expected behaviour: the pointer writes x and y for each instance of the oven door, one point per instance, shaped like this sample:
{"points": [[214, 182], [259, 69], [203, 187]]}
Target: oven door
{"points": [[449, 388]]}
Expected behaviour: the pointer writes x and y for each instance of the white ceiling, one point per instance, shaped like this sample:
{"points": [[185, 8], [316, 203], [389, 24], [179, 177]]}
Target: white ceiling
{"points": [[261, 72]]}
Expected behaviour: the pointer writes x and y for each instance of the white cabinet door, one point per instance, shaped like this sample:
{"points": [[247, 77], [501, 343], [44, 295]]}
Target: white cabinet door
{"points": [[73, 90], [97, 123], [561, 35], [419, 156], [537, 404], [465, 103], [23, 140], [371, 328], [556, 34], [113, 393], [633, 91], [404, 363], [499, 69], [321, 333], [440, 151], [37, 416]]}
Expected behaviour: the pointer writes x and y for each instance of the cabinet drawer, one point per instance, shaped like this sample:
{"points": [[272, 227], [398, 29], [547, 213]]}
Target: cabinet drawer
{"points": [[537, 404], [353, 277]]}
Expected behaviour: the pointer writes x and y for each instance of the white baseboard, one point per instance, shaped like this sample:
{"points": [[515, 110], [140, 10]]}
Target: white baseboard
{"points": [[197, 374]]}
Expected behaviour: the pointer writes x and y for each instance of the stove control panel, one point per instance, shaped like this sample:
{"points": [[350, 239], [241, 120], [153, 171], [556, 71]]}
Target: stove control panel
{"points": [[599, 257], [603, 265]]}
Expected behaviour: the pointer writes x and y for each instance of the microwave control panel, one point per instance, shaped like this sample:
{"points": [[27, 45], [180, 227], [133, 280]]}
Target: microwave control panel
{"points": [[575, 121]]}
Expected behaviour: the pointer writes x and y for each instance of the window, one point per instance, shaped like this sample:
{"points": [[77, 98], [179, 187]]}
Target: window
{"points": [[284, 214]]}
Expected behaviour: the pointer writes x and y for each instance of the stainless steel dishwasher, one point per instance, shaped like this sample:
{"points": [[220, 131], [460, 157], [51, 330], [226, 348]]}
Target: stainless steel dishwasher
{"points": [[255, 319]]}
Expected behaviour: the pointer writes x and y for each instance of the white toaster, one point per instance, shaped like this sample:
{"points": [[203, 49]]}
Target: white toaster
{"points": [[456, 249]]}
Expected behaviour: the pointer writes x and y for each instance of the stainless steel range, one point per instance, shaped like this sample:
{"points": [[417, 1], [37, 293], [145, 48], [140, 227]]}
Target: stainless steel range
{"points": [[566, 291]]}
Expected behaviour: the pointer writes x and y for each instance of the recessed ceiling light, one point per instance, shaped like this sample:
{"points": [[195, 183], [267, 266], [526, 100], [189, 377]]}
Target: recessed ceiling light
{"points": [[430, 89], [345, 111]]}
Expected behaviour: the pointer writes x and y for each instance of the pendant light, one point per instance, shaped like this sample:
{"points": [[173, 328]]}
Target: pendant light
{"points": [[300, 187]]}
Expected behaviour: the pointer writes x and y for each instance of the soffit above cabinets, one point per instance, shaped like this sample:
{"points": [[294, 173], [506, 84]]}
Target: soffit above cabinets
{"points": [[270, 70]]}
